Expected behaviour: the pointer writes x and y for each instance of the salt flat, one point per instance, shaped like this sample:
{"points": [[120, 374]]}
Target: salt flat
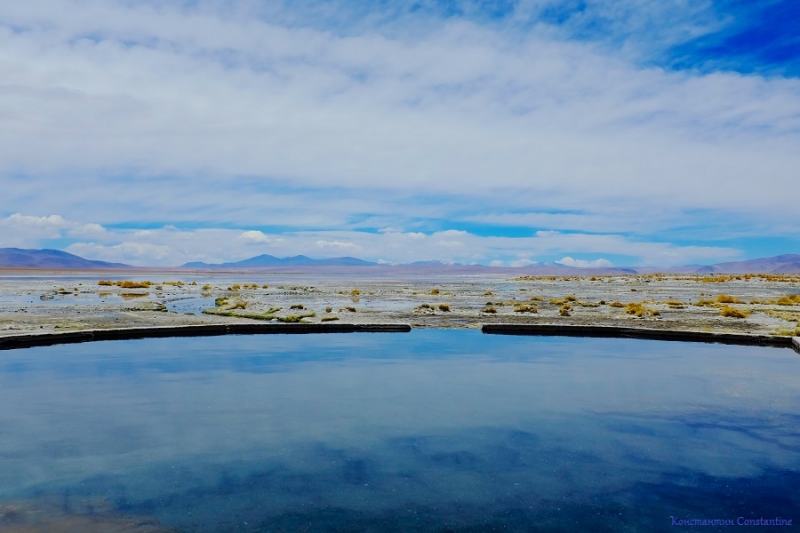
{"points": [[52, 301]]}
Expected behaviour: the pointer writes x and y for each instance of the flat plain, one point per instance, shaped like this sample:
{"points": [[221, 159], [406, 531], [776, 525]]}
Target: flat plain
{"points": [[53, 301]]}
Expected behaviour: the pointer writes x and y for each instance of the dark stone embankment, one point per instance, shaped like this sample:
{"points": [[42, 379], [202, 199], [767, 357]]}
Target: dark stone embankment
{"points": [[639, 333], [202, 330]]}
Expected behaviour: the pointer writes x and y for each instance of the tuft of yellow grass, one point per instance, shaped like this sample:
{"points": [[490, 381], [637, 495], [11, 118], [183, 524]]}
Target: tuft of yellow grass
{"points": [[616, 304], [565, 310], [328, 309], [489, 309], [133, 284], [296, 306], [732, 312], [444, 307], [206, 287], [349, 308], [525, 308], [728, 299], [789, 299], [435, 291], [105, 282], [640, 311], [329, 318]]}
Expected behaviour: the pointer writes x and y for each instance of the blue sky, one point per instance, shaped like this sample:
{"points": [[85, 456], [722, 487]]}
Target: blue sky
{"points": [[503, 132]]}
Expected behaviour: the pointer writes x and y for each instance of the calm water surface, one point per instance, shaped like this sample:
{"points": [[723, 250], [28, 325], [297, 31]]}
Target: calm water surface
{"points": [[425, 431]]}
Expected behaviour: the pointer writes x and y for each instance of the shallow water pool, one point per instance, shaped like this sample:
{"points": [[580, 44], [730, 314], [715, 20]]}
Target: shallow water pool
{"points": [[426, 431]]}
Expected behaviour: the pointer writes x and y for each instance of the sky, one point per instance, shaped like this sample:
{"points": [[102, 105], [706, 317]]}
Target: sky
{"points": [[498, 132]]}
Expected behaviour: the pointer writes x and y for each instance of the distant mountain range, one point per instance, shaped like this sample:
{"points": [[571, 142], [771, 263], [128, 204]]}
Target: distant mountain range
{"points": [[56, 259], [19, 258], [262, 261]]}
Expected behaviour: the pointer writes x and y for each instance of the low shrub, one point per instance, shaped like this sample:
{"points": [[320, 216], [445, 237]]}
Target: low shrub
{"points": [[328, 309], [297, 306], [732, 312], [105, 282], [565, 310], [525, 308], [728, 299], [444, 307], [133, 284], [435, 291], [349, 308], [329, 318], [206, 287], [489, 309], [616, 304], [789, 299]]}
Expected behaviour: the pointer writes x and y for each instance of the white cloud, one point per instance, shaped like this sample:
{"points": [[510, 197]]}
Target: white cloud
{"points": [[522, 262], [254, 237], [337, 244], [568, 261], [207, 95], [204, 114], [132, 252]]}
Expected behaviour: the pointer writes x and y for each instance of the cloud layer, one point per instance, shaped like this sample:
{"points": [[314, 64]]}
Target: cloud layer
{"points": [[329, 122]]}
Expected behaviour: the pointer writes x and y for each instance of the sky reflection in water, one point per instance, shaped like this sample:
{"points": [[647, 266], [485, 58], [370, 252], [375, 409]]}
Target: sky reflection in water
{"points": [[426, 431]]}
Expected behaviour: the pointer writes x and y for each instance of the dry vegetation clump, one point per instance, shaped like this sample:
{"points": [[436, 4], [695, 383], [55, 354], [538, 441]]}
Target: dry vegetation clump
{"points": [[265, 286], [705, 303], [565, 310], [732, 312], [206, 287], [525, 308], [588, 304], [424, 308], [348, 308], [789, 299], [789, 316], [728, 299], [328, 309], [675, 304], [133, 284], [616, 304], [564, 300], [536, 299], [238, 305], [297, 306], [221, 301], [173, 283], [444, 307], [105, 282], [329, 318], [640, 311], [487, 293], [129, 295], [234, 287], [490, 309], [435, 291], [355, 292]]}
